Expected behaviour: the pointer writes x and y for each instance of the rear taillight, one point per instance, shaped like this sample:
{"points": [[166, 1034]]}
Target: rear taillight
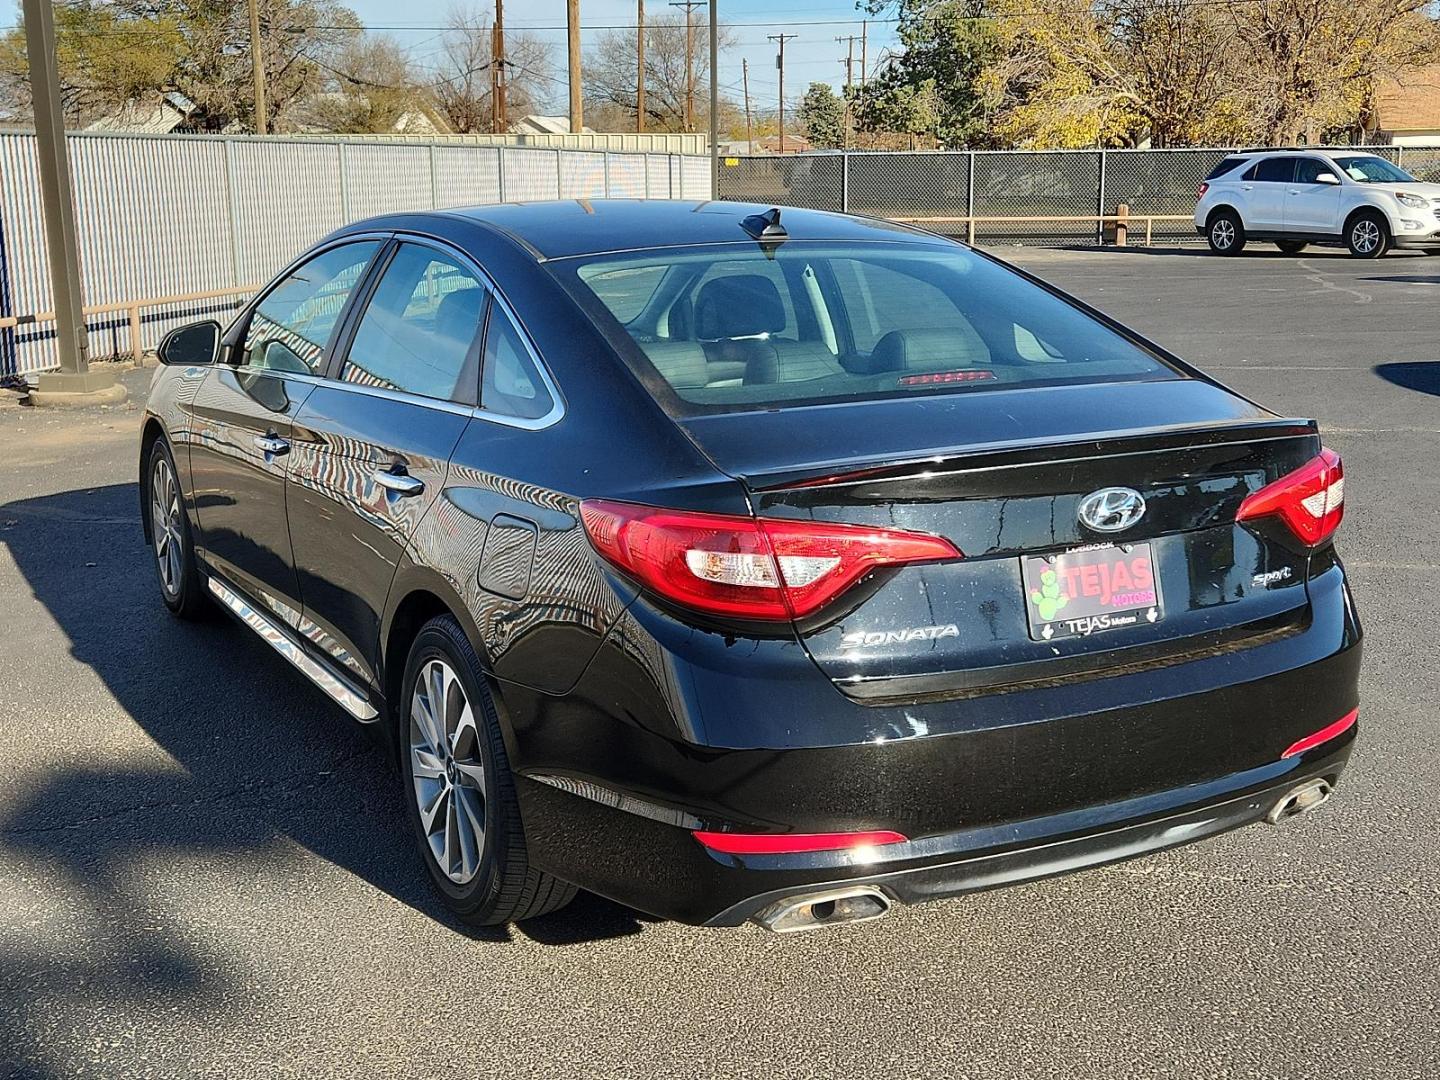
{"points": [[1310, 500], [1204, 187], [743, 567]]}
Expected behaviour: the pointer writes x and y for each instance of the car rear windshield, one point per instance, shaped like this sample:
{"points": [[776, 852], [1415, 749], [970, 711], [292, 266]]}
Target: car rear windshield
{"points": [[728, 327]]}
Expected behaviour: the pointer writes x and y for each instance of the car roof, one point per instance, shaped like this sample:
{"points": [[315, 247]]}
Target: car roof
{"points": [[570, 227]]}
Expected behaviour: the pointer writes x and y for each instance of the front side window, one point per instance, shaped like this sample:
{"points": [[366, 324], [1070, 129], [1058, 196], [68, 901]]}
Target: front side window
{"points": [[292, 325], [1368, 169], [1309, 171], [421, 327], [739, 327]]}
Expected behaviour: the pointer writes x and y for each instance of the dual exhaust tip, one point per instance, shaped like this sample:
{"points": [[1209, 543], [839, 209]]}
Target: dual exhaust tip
{"points": [[865, 903]]}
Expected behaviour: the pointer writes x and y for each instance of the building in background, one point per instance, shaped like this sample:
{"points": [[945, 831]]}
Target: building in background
{"points": [[1407, 113]]}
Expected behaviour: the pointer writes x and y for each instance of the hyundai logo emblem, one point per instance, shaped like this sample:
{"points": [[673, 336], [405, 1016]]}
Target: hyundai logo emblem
{"points": [[1111, 509]]}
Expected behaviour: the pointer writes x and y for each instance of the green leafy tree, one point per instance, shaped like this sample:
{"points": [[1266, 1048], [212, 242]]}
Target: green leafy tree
{"points": [[932, 86], [822, 112]]}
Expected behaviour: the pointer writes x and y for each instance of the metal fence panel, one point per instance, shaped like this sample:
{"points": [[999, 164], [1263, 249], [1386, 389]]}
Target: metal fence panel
{"points": [[657, 177], [536, 172], [627, 176], [1422, 162], [1041, 184], [815, 180], [582, 175], [381, 179], [1161, 182], [909, 185], [466, 176], [695, 172]]}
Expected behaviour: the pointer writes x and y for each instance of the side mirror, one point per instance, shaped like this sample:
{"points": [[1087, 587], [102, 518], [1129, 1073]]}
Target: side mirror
{"points": [[1327, 178], [191, 346]]}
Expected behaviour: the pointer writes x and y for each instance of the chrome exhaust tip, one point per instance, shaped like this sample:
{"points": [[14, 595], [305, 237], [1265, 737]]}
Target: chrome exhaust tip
{"points": [[1300, 800], [814, 911]]}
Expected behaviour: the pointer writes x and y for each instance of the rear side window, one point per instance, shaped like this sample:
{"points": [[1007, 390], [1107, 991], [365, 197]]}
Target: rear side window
{"points": [[512, 385], [421, 327], [736, 327], [1274, 170], [1229, 164]]}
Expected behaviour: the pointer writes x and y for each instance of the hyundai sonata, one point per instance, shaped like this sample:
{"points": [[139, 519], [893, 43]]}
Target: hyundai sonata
{"points": [[743, 563]]}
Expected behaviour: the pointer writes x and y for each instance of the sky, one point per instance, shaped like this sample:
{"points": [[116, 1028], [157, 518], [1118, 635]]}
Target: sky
{"points": [[813, 56]]}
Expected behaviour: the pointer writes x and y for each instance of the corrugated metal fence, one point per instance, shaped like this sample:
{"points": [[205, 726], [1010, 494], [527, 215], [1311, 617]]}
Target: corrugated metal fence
{"points": [[172, 215], [1006, 184]]}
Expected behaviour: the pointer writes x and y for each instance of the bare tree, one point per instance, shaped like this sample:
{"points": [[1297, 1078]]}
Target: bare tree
{"points": [[610, 67], [462, 78]]}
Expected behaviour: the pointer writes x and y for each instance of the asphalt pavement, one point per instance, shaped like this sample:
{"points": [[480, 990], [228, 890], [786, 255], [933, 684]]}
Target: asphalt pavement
{"points": [[204, 869]]}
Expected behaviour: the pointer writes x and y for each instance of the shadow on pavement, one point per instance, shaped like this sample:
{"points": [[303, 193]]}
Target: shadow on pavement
{"points": [[261, 758], [1421, 376]]}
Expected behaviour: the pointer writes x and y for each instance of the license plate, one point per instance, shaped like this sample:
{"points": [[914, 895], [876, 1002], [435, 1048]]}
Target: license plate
{"points": [[1090, 590]]}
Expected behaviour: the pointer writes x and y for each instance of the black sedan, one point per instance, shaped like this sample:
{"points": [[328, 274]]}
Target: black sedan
{"points": [[741, 563]]}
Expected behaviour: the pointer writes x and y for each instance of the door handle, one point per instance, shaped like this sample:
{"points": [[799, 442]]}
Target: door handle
{"points": [[1293, 191], [1247, 187], [401, 483], [272, 444]]}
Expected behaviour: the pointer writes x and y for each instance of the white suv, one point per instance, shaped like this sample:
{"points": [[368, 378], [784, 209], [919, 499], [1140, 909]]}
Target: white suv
{"points": [[1300, 197]]}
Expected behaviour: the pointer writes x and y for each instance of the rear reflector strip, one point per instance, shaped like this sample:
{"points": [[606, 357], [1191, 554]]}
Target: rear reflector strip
{"points": [[1324, 735], [730, 843]]}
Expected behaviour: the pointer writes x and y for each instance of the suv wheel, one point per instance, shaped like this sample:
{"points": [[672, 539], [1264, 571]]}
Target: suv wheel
{"points": [[180, 585], [1367, 236], [1226, 234], [1291, 247], [461, 795]]}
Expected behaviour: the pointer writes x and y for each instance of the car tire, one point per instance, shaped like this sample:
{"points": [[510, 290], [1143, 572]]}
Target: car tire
{"points": [[181, 585], [1291, 247], [459, 791], [1367, 235], [1226, 233]]}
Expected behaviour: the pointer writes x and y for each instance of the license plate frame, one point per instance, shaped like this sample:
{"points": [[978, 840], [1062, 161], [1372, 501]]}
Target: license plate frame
{"points": [[1098, 588]]}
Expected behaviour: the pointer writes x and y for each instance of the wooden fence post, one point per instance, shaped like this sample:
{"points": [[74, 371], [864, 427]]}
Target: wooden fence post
{"points": [[136, 349], [1122, 224]]}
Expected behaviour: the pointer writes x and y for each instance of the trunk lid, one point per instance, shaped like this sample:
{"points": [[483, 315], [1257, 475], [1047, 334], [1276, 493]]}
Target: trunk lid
{"points": [[1002, 474]]}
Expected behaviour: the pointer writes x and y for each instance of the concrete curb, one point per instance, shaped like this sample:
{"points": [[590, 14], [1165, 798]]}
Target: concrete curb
{"points": [[111, 395]]}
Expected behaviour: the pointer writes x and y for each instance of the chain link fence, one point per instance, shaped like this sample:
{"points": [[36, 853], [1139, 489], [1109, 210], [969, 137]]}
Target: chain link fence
{"points": [[963, 193]]}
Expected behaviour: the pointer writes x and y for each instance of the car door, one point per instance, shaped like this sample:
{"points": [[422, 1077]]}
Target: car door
{"points": [[377, 439], [1311, 204], [1263, 188], [244, 414]]}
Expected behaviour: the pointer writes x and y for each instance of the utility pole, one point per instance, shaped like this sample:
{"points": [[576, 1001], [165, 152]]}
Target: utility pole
{"points": [[640, 68], [257, 62], [689, 6], [745, 79], [714, 99], [780, 66], [849, 63], [499, 122], [577, 102], [864, 51], [60, 243]]}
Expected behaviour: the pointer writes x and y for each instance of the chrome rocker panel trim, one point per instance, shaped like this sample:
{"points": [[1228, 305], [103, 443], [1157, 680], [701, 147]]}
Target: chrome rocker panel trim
{"points": [[344, 695]]}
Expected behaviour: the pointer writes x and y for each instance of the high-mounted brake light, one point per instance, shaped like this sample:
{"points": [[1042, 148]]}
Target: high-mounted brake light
{"points": [[790, 843], [1310, 500], [763, 569]]}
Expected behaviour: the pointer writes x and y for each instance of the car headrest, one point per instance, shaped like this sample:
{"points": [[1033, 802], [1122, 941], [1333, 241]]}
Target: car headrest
{"points": [[458, 316], [740, 306], [902, 350], [682, 363]]}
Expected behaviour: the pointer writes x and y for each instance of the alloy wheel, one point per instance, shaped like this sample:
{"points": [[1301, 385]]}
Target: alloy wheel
{"points": [[165, 527], [1222, 233], [1365, 236], [447, 771]]}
